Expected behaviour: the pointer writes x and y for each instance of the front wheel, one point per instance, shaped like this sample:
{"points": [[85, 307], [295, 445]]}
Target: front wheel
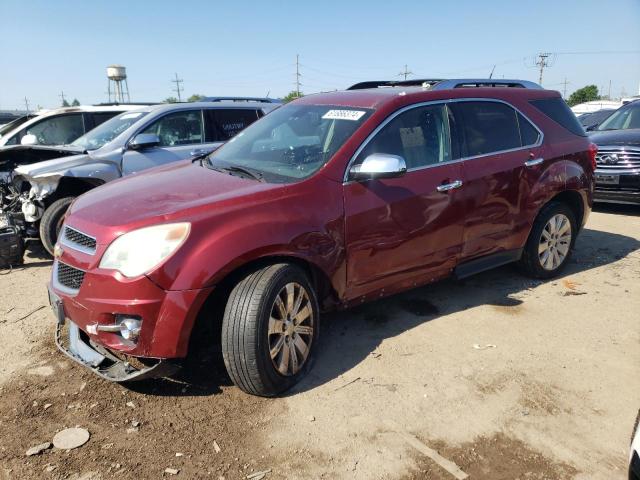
{"points": [[270, 329], [550, 242], [51, 222]]}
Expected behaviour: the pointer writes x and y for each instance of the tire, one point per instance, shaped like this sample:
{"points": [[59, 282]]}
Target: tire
{"points": [[51, 222], [247, 342], [558, 247]]}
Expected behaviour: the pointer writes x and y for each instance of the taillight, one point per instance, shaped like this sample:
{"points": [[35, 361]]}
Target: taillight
{"points": [[593, 151]]}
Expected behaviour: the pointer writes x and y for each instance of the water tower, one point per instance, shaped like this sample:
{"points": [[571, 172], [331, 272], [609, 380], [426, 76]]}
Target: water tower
{"points": [[118, 87]]}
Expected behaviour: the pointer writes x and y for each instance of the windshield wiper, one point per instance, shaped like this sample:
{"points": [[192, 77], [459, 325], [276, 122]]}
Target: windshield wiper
{"points": [[241, 170]]}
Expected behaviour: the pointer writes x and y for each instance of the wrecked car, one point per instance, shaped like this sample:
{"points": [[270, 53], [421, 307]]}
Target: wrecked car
{"points": [[36, 195], [329, 201]]}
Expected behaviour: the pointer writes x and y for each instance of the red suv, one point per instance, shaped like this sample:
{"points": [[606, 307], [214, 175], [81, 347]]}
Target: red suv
{"points": [[329, 201]]}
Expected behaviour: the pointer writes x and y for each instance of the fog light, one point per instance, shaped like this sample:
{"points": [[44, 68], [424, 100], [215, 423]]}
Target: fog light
{"points": [[130, 328]]}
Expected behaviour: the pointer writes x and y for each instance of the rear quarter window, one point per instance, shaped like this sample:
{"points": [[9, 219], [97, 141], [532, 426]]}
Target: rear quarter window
{"points": [[558, 111]]}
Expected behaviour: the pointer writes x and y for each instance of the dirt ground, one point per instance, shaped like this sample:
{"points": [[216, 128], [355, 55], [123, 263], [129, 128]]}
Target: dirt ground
{"points": [[499, 375]]}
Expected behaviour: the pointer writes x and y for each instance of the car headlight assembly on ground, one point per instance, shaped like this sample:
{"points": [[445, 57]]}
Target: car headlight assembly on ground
{"points": [[140, 251]]}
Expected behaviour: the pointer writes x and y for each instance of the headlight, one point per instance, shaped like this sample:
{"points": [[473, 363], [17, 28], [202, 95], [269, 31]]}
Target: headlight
{"points": [[140, 251]]}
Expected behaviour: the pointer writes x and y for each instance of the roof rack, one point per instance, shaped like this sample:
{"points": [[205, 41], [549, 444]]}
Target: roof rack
{"points": [[240, 99], [440, 84]]}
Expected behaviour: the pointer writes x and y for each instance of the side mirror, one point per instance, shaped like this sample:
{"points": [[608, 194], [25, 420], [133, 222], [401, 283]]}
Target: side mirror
{"points": [[29, 139], [144, 140], [379, 165]]}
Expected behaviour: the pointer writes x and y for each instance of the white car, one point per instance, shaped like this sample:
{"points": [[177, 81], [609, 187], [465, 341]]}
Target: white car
{"points": [[60, 126]]}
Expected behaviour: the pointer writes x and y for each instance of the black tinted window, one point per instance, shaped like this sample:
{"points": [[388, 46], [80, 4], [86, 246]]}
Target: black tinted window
{"points": [[557, 110], [101, 117], [222, 124], [528, 133], [486, 127], [420, 136]]}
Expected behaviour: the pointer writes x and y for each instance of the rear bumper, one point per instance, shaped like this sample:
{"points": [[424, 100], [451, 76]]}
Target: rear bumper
{"points": [[617, 196]]}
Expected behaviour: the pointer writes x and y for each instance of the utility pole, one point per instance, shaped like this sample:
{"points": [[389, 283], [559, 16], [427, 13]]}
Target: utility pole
{"points": [[406, 72], [178, 88], [298, 75], [62, 97], [609, 96], [543, 61], [26, 104], [564, 89]]}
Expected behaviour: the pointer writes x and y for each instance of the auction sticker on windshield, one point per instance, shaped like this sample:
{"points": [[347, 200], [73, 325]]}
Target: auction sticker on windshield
{"points": [[343, 115], [130, 115]]}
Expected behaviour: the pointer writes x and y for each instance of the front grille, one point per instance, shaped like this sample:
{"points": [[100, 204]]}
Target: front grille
{"points": [[69, 277], [78, 240], [618, 160]]}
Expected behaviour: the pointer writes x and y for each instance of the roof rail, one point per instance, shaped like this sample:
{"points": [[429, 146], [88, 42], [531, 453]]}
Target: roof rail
{"points": [[117, 104], [484, 82], [416, 82], [240, 99], [440, 84]]}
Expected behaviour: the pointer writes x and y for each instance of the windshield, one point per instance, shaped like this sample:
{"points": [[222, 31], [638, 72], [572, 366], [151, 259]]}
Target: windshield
{"points": [[13, 124], [103, 134], [626, 117], [291, 143]]}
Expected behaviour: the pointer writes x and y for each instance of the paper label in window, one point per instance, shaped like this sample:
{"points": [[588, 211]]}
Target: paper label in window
{"points": [[352, 115], [130, 115]]}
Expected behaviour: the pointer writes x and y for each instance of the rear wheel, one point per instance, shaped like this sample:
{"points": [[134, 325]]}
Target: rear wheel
{"points": [[550, 242], [51, 222], [269, 329]]}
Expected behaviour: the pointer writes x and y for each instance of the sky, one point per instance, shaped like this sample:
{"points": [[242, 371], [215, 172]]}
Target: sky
{"points": [[249, 48]]}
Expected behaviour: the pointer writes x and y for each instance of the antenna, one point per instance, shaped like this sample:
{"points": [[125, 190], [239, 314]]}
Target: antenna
{"points": [[178, 88], [406, 72], [492, 70]]}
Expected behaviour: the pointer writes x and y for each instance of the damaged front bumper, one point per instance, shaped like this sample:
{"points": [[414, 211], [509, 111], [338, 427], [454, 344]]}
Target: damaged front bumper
{"points": [[76, 345]]}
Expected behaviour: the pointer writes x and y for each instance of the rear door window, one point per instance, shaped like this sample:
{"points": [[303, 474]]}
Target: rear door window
{"points": [[486, 127], [529, 135], [225, 123], [558, 111], [178, 128]]}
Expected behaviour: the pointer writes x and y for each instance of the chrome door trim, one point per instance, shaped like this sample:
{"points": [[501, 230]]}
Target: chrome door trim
{"points": [[345, 179]]}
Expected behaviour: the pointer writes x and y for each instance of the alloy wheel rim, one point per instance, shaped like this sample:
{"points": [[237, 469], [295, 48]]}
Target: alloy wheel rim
{"points": [[290, 329], [555, 241]]}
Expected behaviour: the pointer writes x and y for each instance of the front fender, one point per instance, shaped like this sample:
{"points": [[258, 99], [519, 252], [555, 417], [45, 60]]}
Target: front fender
{"points": [[300, 224]]}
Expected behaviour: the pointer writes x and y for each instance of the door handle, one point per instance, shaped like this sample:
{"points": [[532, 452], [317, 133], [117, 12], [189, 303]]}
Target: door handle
{"points": [[533, 162], [449, 186], [198, 151]]}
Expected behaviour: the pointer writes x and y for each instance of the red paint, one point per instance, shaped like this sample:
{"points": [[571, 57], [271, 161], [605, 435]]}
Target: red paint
{"points": [[369, 238]]}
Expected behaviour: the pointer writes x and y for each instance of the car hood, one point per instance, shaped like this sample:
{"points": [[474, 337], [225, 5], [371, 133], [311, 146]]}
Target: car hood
{"points": [[52, 167], [616, 137], [177, 192]]}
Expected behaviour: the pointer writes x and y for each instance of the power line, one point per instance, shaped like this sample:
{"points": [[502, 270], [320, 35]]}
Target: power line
{"points": [[178, 88]]}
